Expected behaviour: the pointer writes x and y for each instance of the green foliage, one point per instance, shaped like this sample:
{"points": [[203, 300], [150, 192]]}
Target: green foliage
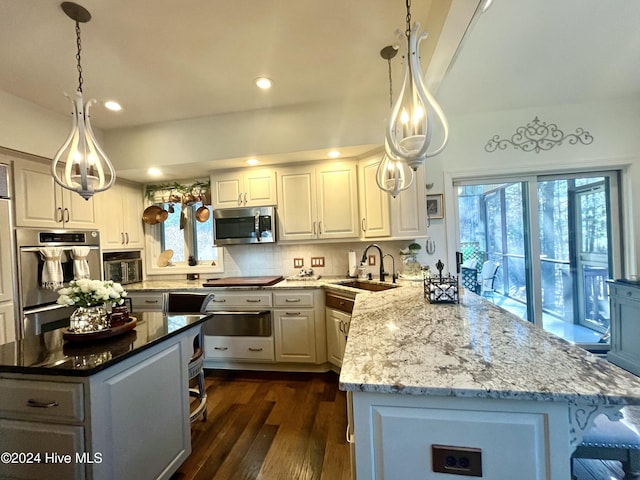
{"points": [[176, 188]]}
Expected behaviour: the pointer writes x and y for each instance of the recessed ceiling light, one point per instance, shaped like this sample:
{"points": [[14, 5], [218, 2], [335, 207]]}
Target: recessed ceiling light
{"points": [[333, 154], [252, 161], [154, 172], [264, 83], [112, 105]]}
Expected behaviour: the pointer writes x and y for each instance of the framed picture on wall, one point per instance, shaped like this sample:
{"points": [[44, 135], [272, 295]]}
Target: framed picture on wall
{"points": [[435, 207]]}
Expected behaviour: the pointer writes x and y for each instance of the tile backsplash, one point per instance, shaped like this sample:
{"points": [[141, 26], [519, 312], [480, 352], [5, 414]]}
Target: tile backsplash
{"points": [[278, 259]]}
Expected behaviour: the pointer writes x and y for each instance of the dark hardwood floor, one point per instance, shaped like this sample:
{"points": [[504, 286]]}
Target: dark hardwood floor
{"points": [[273, 426], [265, 425]]}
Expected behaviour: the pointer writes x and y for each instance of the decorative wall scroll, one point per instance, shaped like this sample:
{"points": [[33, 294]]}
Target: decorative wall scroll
{"points": [[537, 136], [434, 206]]}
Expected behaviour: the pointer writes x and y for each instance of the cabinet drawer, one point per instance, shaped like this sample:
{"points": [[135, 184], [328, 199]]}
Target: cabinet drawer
{"points": [[224, 300], [239, 348], [45, 400], [147, 302], [620, 291], [293, 299]]}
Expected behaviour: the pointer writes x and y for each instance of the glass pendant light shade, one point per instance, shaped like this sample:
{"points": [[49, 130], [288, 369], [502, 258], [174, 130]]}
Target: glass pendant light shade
{"points": [[80, 164], [393, 176], [410, 128]]}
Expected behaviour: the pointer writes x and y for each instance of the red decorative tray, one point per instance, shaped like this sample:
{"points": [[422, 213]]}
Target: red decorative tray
{"points": [[101, 334]]}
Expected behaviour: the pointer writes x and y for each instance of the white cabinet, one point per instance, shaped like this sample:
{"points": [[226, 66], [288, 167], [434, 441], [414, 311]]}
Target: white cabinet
{"points": [[39, 418], [374, 203], [40, 202], [250, 188], [318, 202], [120, 217], [7, 307], [294, 327], [625, 326], [395, 436], [245, 349], [147, 301], [409, 210], [337, 330]]}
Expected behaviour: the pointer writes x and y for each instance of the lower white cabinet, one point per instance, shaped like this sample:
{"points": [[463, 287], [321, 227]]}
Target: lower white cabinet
{"points": [[395, 436], [147, 301], [256, 349], [128, 421], [625, 326], [337, 329], [295, 337]]}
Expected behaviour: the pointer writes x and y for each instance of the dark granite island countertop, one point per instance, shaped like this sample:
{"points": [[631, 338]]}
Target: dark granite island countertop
{"points": [[50, 354]]}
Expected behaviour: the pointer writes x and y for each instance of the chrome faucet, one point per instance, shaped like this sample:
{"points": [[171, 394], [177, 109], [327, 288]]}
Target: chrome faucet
{"points": [[364, 259]]}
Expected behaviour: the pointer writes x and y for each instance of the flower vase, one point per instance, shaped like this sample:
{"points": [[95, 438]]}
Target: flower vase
{"points": [[89, 319]]}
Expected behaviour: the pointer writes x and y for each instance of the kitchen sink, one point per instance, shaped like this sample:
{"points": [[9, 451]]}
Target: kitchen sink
{"points": [[370, 286]]}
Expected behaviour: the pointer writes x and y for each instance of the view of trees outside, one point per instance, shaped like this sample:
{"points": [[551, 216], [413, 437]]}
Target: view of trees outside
{"points": [[492, 217]]}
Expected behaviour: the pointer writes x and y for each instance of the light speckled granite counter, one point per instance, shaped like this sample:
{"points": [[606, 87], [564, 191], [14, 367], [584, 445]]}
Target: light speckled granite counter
{"points": [[399, 343]]}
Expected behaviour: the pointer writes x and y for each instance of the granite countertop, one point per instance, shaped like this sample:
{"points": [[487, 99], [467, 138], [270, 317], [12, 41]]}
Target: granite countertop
{"points": [[49, 354], [400, 343]]}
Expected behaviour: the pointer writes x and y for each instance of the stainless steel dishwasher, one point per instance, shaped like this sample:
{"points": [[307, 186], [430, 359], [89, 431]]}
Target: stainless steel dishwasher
{"points": [[239, 324]]}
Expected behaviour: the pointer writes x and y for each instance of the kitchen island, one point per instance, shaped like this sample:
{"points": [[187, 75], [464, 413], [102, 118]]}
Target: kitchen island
{"points": [[469, 376], [114, 408]]}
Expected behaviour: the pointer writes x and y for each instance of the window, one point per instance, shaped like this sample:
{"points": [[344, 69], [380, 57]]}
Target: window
{"points": [[186, 235], [555, 240]]}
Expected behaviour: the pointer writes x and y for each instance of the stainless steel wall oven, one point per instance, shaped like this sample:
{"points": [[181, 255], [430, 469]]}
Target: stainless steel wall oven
{"points": [[40, 252]]}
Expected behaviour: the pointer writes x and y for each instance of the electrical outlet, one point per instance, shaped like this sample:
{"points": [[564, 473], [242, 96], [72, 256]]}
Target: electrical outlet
{"points": [[372, 260], [298, 262], [317, 261], [456, 460]]}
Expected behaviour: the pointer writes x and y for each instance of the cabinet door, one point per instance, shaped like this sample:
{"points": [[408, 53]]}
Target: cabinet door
{"points": [[625, 332], [147, 401], [409, 210], [297, 204], [374, 203], [337, 189], [109, 206], [35, 196], [227, 190], [295, 339], [7, 322], [147, 301], [260, 188], [337, 326], [131, 215], [42, 439], [78, 212]]}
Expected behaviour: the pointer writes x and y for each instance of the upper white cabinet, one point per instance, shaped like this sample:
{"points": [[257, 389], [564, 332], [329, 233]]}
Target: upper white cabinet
{"points": [[40, 202], [120, 217], [374, 203], [250, 188], [409, 210], [318, 202]]}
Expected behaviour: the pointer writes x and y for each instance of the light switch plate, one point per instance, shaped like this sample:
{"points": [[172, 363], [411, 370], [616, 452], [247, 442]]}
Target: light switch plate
{"points": [[317, 261], [372, 260], [298, 262]]}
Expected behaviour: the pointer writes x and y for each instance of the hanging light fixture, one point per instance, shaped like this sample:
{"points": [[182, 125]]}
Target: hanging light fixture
{"points": [[80, 164], [408, 134], [392, 176]]}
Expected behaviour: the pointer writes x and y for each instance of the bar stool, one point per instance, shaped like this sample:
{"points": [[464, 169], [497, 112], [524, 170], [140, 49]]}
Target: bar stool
{"points": [[193, 303], [611, 440]]}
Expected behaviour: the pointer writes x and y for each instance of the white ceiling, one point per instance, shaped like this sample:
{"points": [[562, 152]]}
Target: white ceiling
{"points": [[169, 60]]}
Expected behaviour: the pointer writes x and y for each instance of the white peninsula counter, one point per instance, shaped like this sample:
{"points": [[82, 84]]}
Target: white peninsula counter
{"points": [[469, 376]]}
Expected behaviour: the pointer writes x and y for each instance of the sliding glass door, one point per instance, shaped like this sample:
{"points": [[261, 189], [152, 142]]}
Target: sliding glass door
{"points": [[553, 239]]}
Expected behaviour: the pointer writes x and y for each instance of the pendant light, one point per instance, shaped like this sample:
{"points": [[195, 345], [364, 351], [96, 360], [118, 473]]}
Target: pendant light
{"points": [[80, 164], [392, 176], [408, 134]]}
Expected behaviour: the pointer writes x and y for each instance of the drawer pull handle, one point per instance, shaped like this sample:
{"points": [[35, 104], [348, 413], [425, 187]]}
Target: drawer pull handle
{"points": [[42, 403], [151, 301], [222, 300], [221, 348], [255, 349], [252, 300], [292, 300], [293, 313]]}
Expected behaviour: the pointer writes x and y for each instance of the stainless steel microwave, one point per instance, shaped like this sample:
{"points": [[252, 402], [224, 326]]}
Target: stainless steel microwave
{"points": [[244, 225], [124, 268]]}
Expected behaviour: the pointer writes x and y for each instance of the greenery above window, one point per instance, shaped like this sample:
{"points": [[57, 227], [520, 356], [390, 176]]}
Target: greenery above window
{"points": [[176, 190]]}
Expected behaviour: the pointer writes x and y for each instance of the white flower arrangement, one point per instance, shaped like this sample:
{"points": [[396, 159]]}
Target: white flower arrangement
{"points": [[91, 293]]}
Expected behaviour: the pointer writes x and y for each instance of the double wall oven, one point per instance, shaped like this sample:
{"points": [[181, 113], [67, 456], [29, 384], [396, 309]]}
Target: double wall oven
{"points": [[45, 263]]}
